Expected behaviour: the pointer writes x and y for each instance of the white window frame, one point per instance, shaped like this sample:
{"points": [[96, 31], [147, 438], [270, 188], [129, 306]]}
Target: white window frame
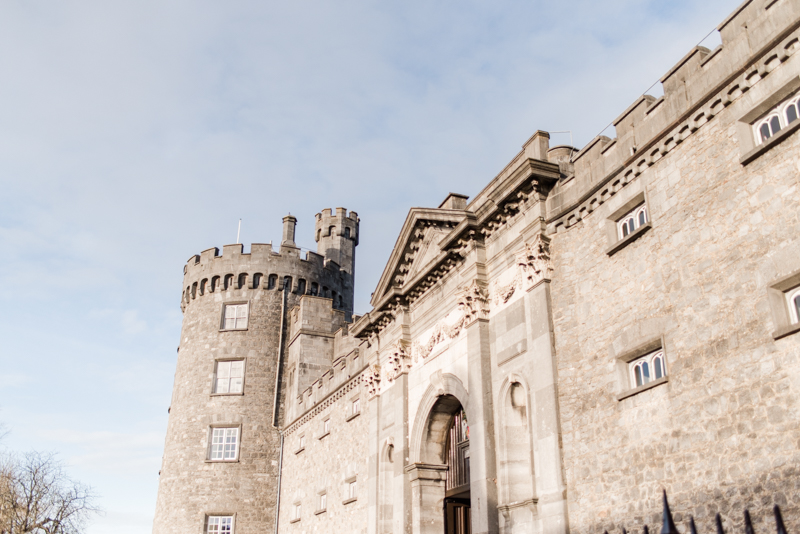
{"points": [[356, 407], [352, 489], [632, 221], [222, 435], [239, 320], [781, 112], [649, 363], [215, 386], [326, 426], [217, 522], [791, 296], [323, 501], [296, 511]]}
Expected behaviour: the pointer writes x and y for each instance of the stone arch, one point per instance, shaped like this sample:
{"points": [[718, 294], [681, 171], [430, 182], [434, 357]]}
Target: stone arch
{"points": [[440, 401], [515, 451]]}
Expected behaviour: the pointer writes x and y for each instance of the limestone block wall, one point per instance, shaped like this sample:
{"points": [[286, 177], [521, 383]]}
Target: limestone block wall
{"points": [[722, 433], [327, 463]]}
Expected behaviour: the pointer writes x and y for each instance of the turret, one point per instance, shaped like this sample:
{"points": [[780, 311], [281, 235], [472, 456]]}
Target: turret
{"points": [[337, 237]]}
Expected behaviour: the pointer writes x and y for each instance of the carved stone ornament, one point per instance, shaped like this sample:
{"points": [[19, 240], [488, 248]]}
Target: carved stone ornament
{"points": [[372, 380], [534, 261], [398, 362], [472, 302]]}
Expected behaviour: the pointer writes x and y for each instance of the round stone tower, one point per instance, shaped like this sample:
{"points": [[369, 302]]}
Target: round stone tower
{"points": [[220, 466]]}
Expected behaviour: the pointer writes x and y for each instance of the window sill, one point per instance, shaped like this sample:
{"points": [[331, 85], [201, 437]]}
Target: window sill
{"points": [[233, 329], [222, 461], [636, 391], [622, 243], [352, 416], [294, 521], [320, 511], [769, 143], [323, 435], [301, 449], [786, 330], [348, 501], [241, 393]]}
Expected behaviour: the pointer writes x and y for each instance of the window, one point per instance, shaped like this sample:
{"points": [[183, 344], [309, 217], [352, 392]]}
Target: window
{"points": [[776, 119], [323, 502], [229, 377], [235, 317], [224, 444], [647, 368], [356, 406], [296, 512], [326, 426], [352, 489], [631, 221], [217, 524], [793, 300]]}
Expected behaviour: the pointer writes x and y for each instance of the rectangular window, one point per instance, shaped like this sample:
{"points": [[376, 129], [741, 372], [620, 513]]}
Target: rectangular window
{"points": [[326, 426], [235, 317], [296, 512], [224, 444], [323, 502], [302, 441], [647, 368], [356, 406], [229, 377], [352, 490], [218, 524]]}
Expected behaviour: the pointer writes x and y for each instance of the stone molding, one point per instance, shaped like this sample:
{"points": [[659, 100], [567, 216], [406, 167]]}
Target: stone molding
{"points": [[533, 263]]}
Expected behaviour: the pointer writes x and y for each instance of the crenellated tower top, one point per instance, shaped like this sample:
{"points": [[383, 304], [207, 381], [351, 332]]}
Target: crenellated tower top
{"points": [[337, 237]]}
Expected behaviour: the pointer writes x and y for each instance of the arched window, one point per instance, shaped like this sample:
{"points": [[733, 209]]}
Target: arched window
{"points": [[325, 291], [319, 232], [793, 297], [257, 280], [332, 231], [347, 232], [214, 283], [272, 281], [203, 284], [187, 294], [242, 280], [287, 283], [776, 119], [301, 287], [632, 220], [648, 368], [228, 283], [314, 288], [194, 290]]}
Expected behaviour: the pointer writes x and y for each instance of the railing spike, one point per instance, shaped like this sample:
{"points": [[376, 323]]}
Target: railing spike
{"points": [[748, 525], [667, 524], [718, 520], [692, 527], [779, 520]]}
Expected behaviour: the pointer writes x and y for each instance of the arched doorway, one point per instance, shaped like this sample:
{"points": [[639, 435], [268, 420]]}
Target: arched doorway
{"points": [[457, 517]]}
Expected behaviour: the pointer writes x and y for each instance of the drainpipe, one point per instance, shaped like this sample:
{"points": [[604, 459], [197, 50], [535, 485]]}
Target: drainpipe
{"points": [[276, 399]]}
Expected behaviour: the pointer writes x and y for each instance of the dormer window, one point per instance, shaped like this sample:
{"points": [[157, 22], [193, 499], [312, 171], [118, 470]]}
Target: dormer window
{"points": [[776, 119]]}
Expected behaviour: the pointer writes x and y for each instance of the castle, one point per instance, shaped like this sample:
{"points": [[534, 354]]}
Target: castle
{"points": [[592, 327]]}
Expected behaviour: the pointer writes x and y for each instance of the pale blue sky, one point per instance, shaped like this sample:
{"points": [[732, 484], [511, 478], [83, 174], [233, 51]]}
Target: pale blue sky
{"points": [[136, 134]]}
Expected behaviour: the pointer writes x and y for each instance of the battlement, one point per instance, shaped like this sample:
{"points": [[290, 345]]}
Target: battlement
{"points": [[756, 38], [336, 234]]}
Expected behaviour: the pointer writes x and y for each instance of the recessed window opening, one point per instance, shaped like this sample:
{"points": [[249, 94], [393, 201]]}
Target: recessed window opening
{"points": [[194, 290], [333, 296], [324, 291], [314, 288], [187, 294], [647, 368], [776, 119], [301, 287], [229, 377], [228, 281], [214, 283], [272, 281], [341, 302], [326, 426], [296, 511], [219, 524], [242, 280], [235, 316], [257, 280], [323, 501], [332, 231], [203, 284], [352, 490], [347, 232], [224, 444], [319, 232], [793, 298], [356, 406], [287, 283], [631, 221]]}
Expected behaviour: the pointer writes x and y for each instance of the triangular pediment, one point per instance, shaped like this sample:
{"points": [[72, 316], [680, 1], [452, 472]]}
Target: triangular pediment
{"points": [[417, 247]]}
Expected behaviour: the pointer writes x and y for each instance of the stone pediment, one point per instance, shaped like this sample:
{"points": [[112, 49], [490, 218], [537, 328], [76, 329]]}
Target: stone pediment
{"points": [[418, 247]]}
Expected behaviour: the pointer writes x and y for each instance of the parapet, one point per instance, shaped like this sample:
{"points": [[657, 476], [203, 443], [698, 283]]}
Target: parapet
{"points": [[339, 223], [756, 37]]}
